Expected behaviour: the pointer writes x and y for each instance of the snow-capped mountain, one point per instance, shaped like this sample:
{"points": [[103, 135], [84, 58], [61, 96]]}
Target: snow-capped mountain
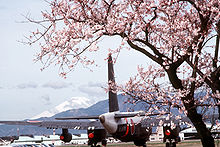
{"points": [[73, 103]]}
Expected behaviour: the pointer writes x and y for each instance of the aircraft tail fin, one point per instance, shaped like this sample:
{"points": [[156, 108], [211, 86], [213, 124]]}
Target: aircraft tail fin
{"points": [[113, 100]]}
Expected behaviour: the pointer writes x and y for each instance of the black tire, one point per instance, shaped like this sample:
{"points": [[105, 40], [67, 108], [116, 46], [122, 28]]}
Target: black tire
{"points": [[140, 143], [104, 142], [93, 145], [167, 144], [174, 144]]}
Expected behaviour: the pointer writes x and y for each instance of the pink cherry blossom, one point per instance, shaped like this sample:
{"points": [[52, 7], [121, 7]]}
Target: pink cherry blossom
{"points": [[180, 36]]}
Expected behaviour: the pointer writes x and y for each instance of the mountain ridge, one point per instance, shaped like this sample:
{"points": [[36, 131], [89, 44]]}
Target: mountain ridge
{"points": [[74, 102]]}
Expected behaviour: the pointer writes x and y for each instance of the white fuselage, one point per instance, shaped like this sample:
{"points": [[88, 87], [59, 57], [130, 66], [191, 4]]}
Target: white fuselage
{"points": [[111, 123]]}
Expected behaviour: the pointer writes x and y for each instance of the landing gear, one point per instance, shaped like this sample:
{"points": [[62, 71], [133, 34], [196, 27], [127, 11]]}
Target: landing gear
{"points": [[104, 142], [140, 143], [94, 145], [171, 144]]}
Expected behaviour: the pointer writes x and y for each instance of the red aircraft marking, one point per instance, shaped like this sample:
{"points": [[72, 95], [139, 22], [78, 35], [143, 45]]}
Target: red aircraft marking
{"points": [[127, 129], [91, 135], [167, 132], [132, 127]]}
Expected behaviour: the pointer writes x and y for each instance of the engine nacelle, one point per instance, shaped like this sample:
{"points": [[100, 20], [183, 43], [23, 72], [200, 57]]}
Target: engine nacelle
{"points": [[65, 136], [96, 135], [170, 134]]}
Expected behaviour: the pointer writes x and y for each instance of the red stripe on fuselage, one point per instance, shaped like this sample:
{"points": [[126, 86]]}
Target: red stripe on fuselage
{"points": [[132, 127], [127, 129]]}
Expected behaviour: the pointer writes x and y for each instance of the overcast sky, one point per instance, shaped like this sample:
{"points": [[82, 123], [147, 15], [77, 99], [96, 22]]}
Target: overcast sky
{"points": [[25, 91]]}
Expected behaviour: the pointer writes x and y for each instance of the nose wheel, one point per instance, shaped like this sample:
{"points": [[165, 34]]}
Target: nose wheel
{"points": [[171, 144], [140, 143], [104, 142], [94, 145]]}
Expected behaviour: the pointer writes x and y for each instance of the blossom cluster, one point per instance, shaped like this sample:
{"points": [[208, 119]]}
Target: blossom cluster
{"points": [[73, 27], [176, 34]]}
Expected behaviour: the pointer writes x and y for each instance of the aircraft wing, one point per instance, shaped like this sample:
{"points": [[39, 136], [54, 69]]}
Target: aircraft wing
{"points": [[78, 117], [117, 115], [79, 125], [125, 115]]}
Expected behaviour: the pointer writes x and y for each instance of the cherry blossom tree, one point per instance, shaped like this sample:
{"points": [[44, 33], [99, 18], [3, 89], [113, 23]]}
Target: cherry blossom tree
{"points": [[180, 36]]}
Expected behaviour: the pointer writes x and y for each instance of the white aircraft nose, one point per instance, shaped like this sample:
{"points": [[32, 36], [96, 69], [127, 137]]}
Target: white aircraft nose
{"points": [[102, 119], [109, 123]]}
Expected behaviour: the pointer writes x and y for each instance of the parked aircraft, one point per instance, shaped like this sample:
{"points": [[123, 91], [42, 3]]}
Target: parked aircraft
{"points": [[124, 126]]}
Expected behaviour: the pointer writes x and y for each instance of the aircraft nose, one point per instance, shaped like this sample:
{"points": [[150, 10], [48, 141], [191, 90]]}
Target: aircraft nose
{"points": [[102, 119]]}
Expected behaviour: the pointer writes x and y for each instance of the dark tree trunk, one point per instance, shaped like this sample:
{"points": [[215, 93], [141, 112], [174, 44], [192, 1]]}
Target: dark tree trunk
{"points": [[204, 133], [175, 81], [196, 119]]}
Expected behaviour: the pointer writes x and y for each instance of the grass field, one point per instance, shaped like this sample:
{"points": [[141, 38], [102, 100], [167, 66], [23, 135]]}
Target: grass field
{"points": [[195, 143]]}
